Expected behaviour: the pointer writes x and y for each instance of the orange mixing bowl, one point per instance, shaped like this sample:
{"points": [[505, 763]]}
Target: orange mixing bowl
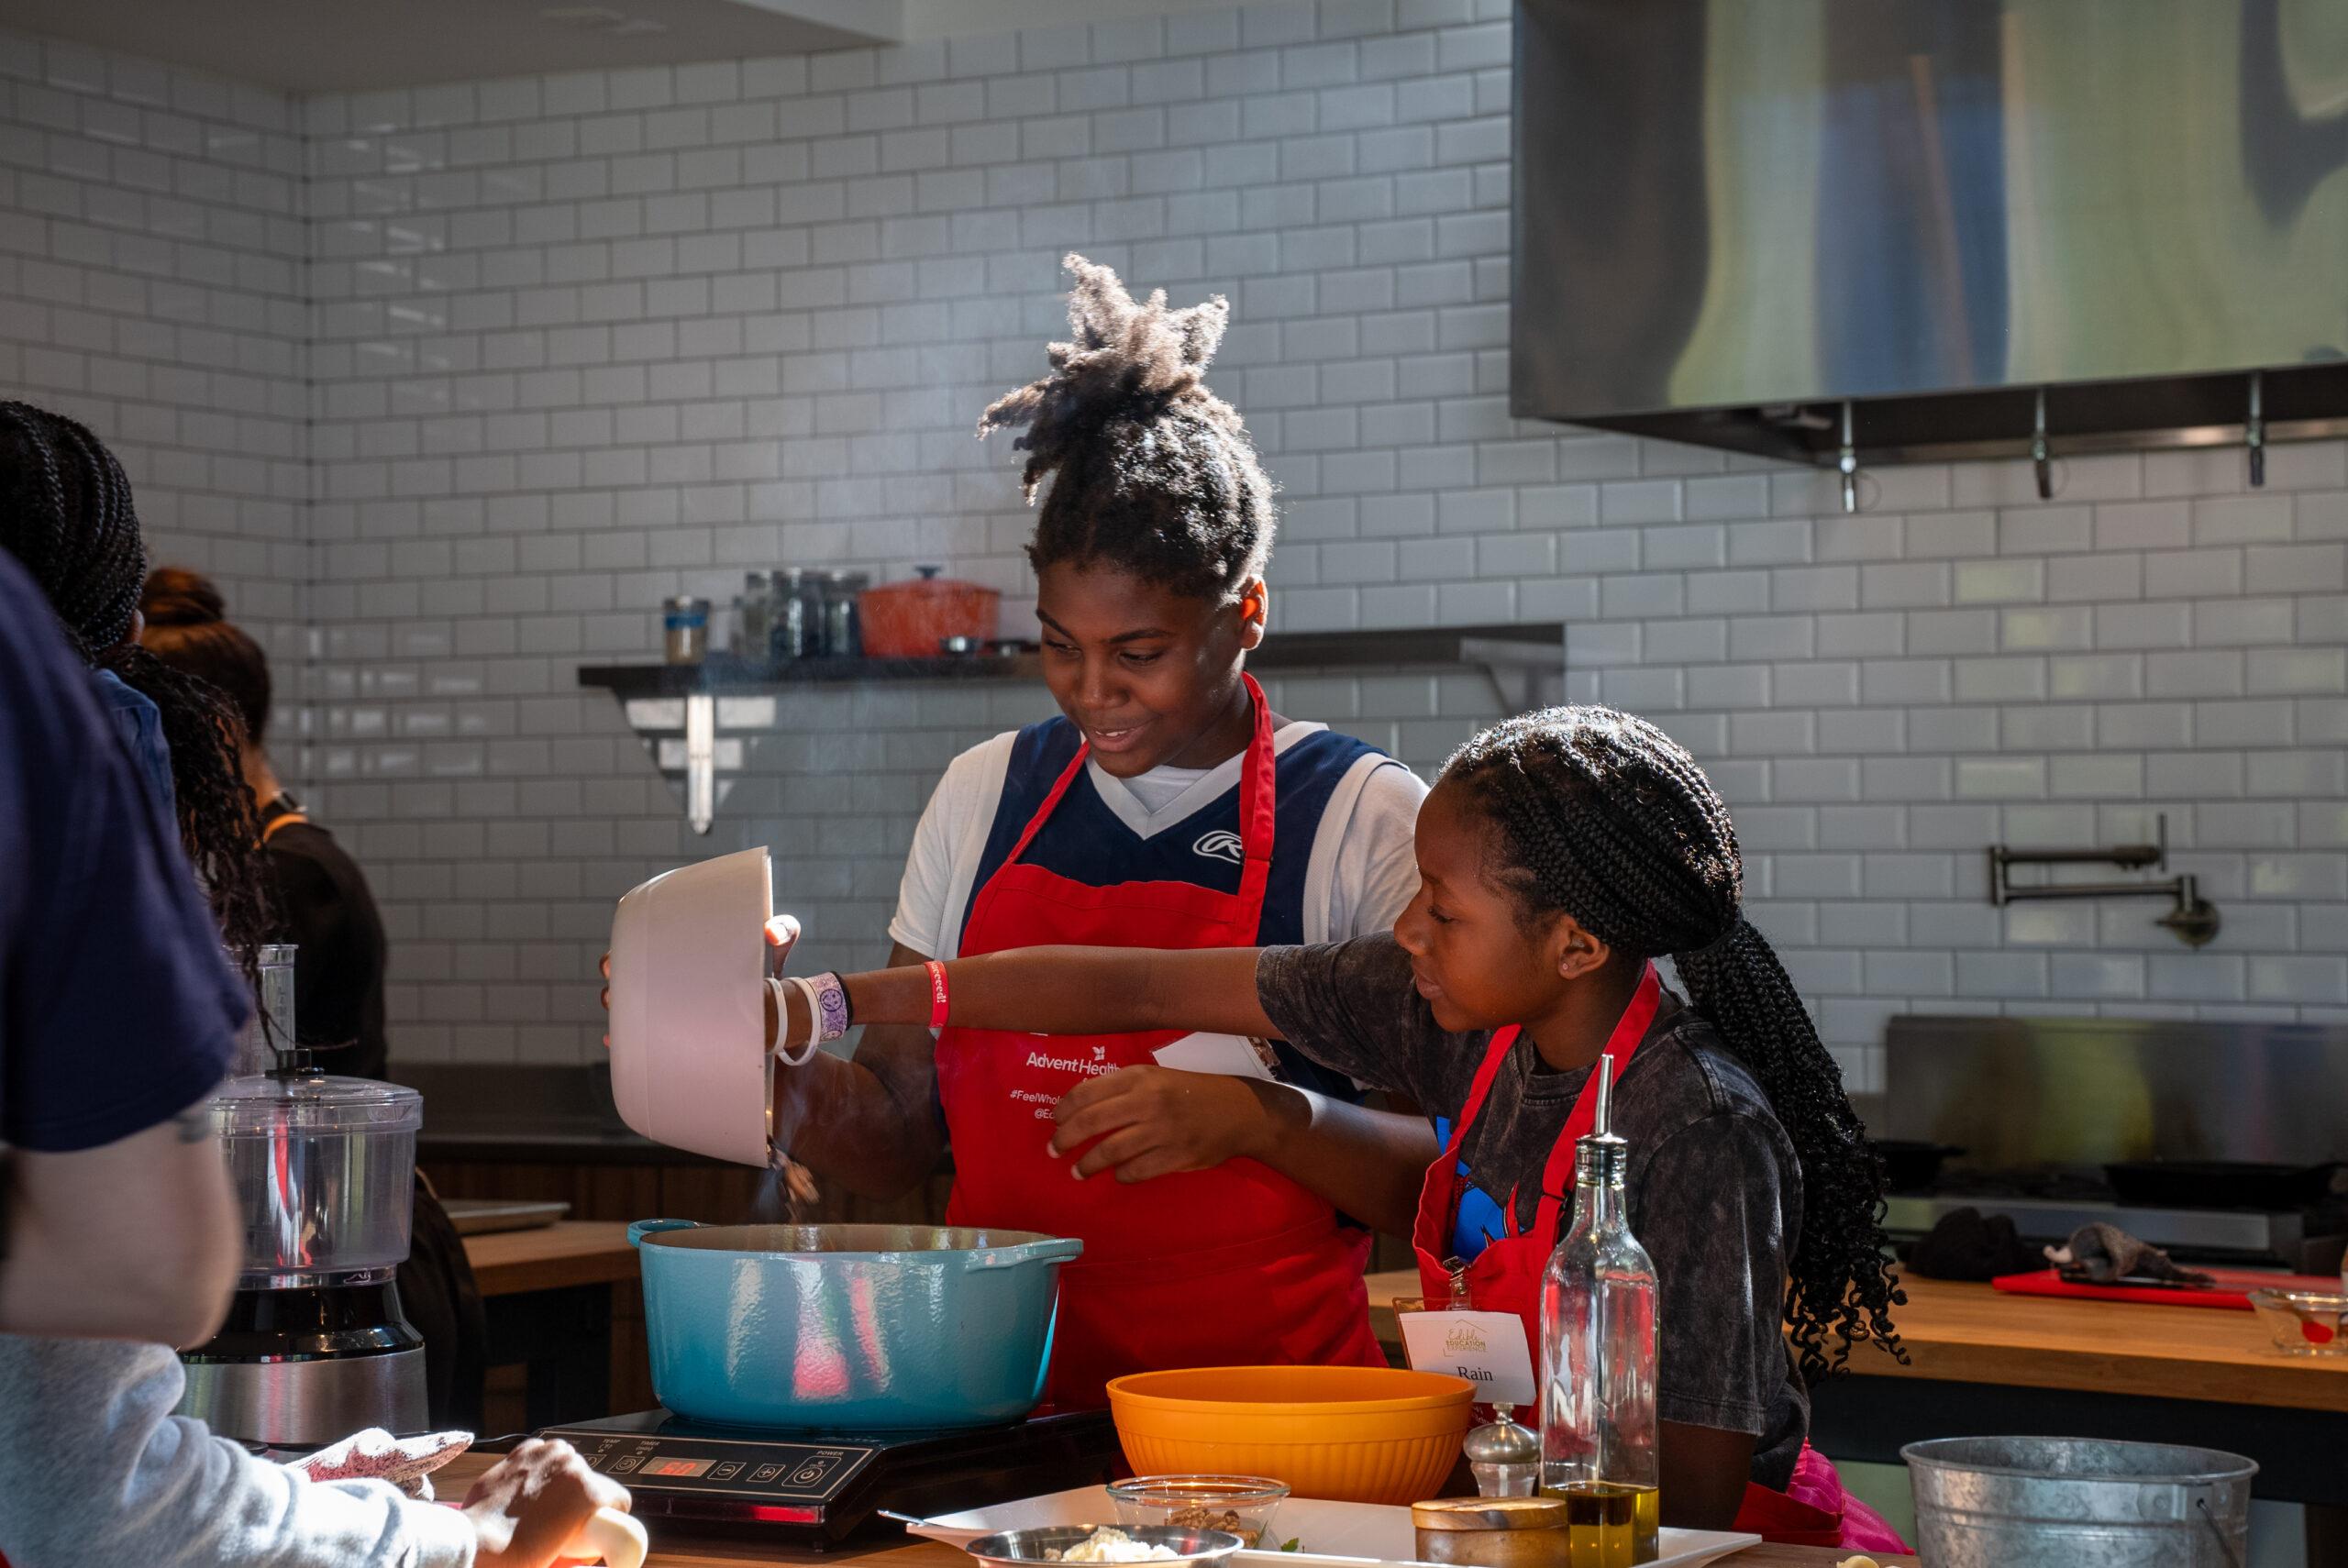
{"points": [[1357, 1434]]}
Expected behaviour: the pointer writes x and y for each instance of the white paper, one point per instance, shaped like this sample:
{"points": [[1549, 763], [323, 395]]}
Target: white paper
{"points": [[1488, 1348], [1231, 1055]]}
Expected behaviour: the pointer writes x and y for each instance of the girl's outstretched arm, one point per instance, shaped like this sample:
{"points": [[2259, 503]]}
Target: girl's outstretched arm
{"points": [[1069, 991]]}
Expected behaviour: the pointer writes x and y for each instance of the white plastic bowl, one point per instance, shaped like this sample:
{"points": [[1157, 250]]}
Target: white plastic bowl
{"points": [[690, 1066]]}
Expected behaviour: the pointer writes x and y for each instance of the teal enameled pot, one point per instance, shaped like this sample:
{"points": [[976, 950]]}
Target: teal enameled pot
{"points": [[848, 1328]]}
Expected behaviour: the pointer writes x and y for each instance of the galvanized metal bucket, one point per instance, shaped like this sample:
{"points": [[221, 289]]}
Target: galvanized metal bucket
{"points": [[1999, 1502]]}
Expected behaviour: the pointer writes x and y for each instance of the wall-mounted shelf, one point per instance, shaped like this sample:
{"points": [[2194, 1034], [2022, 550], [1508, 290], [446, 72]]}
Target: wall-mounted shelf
{"points": [[693, 718]]}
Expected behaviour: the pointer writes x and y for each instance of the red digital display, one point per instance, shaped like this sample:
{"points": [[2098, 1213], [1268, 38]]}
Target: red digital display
{"points": [[682, 1467]]}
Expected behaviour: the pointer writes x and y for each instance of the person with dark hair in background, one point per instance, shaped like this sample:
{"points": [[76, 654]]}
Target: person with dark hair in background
{"points": [[322, 898], [1165, 806], [66, 514], [1560, 855], [119, 1232], [326, 912]]}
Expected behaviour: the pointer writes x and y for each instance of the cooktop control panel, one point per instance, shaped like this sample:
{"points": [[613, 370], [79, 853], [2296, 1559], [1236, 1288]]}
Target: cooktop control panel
{"points": [[747, 1469]]}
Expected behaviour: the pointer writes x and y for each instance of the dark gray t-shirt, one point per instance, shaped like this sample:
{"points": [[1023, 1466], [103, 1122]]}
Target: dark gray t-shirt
{"points": [[1714, 1186]]}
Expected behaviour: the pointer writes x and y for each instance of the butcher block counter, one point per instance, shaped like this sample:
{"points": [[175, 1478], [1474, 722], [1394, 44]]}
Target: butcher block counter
{"points": [[889, 1549], [1970, 1333], [551, 1257]]}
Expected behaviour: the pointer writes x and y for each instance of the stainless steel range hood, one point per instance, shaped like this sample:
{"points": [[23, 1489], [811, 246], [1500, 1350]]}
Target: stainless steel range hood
{"points": [[1853, 231]]}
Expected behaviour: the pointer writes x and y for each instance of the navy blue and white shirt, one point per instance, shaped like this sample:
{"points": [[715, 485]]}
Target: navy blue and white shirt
{"points": [[1343, 863]]}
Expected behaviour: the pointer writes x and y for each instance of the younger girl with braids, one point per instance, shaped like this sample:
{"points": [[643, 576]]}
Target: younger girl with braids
{"points": [[66, 514], [1559, 854]]}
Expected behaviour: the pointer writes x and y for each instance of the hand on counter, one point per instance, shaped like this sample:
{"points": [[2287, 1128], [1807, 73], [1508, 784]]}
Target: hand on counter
{"points": [[528, 1508]]}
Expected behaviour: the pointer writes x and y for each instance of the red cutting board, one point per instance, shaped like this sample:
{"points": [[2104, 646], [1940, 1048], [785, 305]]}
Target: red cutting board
{"points": [[2230, 1291]]}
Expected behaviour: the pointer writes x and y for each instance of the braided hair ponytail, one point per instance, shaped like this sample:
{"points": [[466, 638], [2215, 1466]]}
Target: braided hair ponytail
{"points": [[66, 514], [1602, 815], [1150, 471]]}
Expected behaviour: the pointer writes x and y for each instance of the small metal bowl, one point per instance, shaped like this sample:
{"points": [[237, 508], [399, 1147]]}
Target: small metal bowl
{"points": [[1203, 1547]]}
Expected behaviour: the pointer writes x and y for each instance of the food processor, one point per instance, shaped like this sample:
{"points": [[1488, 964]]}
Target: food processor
{"points": [[315, 1346]]}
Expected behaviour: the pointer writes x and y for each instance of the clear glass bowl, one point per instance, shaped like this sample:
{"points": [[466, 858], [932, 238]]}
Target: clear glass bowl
{"points": [[1243, 1504], [2304, 1322]]}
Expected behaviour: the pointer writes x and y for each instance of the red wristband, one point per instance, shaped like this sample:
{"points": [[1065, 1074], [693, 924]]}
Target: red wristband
{"points": [[936, 992]]}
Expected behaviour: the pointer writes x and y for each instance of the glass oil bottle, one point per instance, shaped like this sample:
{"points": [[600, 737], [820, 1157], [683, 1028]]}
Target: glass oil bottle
{"points": [[1597, 1362]]}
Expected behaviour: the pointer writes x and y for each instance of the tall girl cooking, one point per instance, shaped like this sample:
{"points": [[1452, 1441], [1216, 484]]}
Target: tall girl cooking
{"points": [[1559, 854], [1165, 806]]}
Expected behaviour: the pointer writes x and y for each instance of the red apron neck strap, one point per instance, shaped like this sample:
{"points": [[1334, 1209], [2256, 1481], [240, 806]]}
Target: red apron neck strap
{"points": [[1051, 801], [1622, 1043], [1257, 799], [1494, 1054]]}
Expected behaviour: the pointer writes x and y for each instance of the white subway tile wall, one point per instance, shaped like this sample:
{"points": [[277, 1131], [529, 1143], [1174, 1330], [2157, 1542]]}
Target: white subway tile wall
{"points": [[577, 343], [153, 249]]}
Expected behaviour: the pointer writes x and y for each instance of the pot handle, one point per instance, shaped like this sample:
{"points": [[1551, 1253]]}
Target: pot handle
{"points": [[643, 1228], [1051, 1249]]}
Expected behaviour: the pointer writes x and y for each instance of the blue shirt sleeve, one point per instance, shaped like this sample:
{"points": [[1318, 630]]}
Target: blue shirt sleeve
{"points": [[117, 1007], [140, 724]]}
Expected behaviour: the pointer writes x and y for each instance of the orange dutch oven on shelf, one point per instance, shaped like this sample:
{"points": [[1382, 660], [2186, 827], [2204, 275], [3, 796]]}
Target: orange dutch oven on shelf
{"points": [[1352, 1434], [909, 619]]}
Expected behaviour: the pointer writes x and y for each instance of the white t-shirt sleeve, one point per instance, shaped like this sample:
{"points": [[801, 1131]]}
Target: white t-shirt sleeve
{"points": [[1369, 865], [943, 864]]}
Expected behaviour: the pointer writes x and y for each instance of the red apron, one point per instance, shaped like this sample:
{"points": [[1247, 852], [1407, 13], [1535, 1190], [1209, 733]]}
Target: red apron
{"points": [[1237, 1266], [1506, 1277]]}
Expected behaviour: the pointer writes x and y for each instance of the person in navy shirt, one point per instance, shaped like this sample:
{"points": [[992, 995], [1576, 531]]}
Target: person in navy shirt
{"points": [[1164, 805], [117, 1015]]}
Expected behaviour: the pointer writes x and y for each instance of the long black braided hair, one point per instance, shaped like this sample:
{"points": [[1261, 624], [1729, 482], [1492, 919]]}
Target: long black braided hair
{"points": [[1603, 816], [1150, 471], [66, 514]]}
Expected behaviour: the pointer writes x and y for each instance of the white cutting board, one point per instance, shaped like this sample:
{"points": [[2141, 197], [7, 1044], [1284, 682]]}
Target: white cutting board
{"points": [[1332, 1534]]}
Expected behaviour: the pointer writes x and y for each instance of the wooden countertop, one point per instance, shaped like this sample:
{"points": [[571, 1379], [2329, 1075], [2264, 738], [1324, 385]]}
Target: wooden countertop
{"points": [[1970, 1333], [1963, 1333], [552, 1257], [894, 1551]]}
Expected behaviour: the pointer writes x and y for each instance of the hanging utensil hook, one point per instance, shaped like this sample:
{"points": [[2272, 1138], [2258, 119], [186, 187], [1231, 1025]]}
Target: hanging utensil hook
{"points": [[2253, 429], [2040, 461], [1848, 464]]}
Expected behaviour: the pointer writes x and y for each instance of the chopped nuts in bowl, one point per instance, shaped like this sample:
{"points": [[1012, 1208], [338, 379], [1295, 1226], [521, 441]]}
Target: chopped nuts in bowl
{"points": [[1242, 1505]]}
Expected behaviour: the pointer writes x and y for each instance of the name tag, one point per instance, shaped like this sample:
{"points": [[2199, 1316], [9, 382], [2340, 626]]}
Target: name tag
{"points": [[1489, 1349]]}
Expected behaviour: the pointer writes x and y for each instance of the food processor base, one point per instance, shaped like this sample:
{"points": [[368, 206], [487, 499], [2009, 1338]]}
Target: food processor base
{"points": [[304, 1405]]}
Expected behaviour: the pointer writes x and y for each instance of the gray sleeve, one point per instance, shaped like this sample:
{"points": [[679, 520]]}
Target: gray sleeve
{"points": [[87, 1428], [1709, 1210], [1350, 1006]]}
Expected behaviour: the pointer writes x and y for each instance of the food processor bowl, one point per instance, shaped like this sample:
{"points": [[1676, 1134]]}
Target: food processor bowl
{"points": [[324, 1170]]}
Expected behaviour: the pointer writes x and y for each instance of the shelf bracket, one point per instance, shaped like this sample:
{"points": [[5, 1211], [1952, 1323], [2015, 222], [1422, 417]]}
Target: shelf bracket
{"points": [[1518, 671], [701, 760]]}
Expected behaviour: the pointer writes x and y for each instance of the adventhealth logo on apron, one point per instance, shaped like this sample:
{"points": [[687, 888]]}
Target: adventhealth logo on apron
{"points": [[1100, 1066], [1220, 845]]}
